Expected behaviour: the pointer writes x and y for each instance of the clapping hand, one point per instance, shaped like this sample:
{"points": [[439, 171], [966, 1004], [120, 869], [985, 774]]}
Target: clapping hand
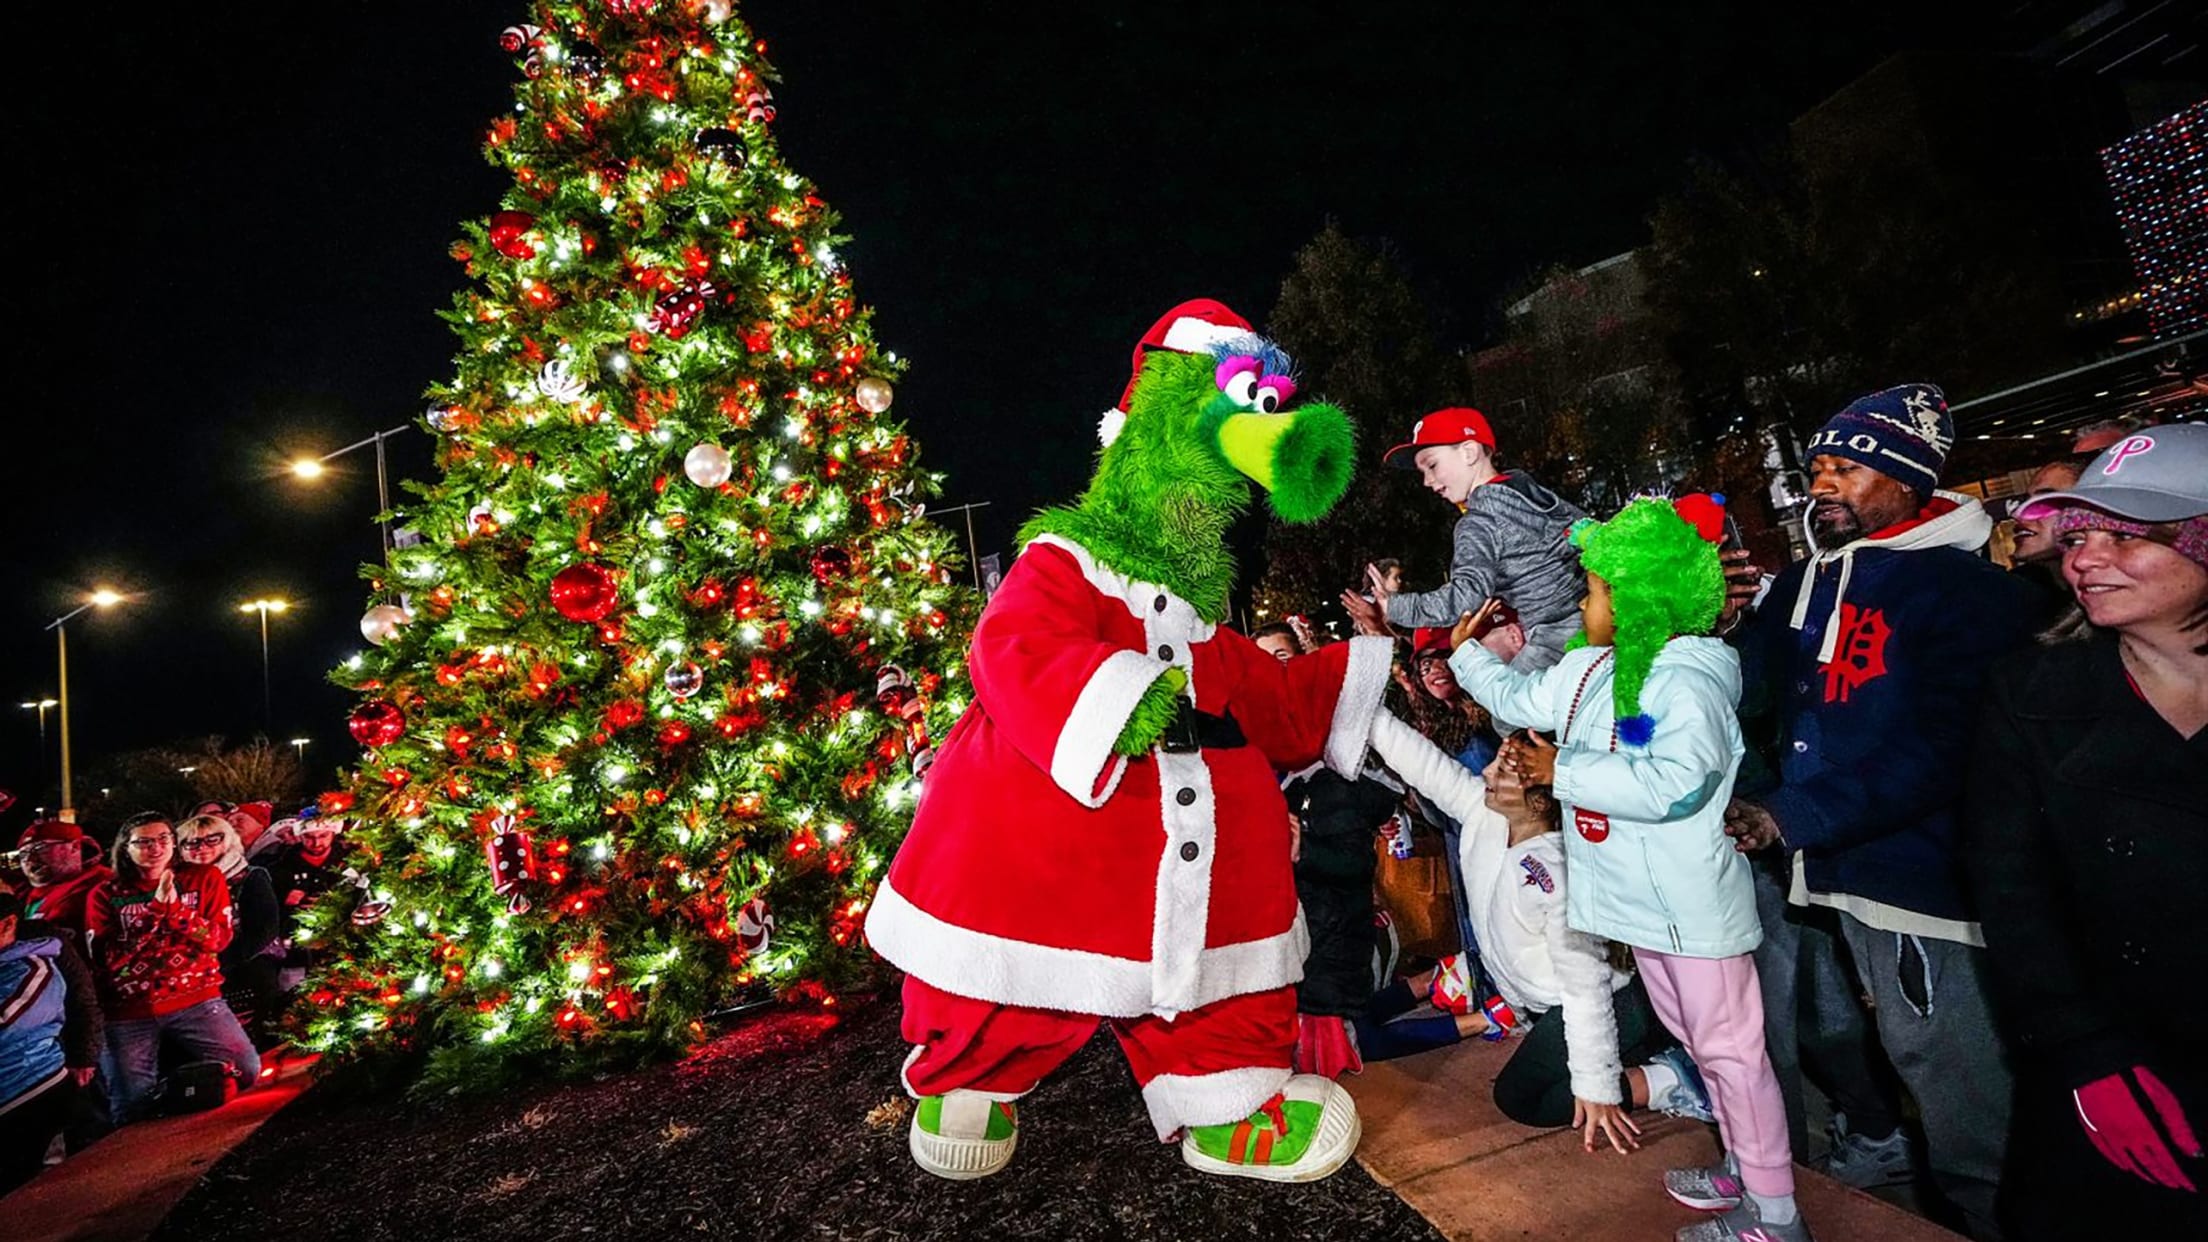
{"points": [[1530, 757], [165, 891]]}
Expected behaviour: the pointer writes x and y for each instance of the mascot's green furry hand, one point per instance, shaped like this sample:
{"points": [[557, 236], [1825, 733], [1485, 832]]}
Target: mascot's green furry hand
{"points": [[1152, 714]]}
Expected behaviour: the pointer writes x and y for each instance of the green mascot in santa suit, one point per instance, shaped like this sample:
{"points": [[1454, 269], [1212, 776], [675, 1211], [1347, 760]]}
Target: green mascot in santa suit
{"points": [[1102, 838]]}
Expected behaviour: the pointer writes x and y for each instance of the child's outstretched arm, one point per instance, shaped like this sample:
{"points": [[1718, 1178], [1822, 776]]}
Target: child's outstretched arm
{"points": [[1527, 700], [1454, 788], [1684, 765]]}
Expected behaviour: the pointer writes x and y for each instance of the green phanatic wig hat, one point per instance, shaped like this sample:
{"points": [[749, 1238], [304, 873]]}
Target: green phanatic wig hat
{"points": [[1660, 558]]}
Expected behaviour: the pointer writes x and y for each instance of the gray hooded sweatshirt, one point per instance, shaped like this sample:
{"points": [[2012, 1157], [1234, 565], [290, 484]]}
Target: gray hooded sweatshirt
{"points": [[1513, 542]]}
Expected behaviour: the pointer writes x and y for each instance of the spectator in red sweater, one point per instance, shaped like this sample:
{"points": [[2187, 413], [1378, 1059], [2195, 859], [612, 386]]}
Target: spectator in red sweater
{"points": [[63, 866], [156, 931]]}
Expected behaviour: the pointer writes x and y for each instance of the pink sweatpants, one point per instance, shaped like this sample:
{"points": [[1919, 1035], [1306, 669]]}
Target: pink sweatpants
{"points": [[1715, 1007]]}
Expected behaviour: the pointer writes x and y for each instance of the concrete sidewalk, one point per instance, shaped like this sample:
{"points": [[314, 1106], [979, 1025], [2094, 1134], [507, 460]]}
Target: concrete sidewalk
{"points": [[1434, 1136], [118, 1189]]}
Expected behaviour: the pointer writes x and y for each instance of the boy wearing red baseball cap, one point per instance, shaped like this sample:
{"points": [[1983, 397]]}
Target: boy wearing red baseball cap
{"points": [[1513, 542]]}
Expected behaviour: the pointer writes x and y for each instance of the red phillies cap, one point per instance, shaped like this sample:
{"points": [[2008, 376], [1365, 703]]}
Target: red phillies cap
{"points": [[52, 830], [1454, 425]]}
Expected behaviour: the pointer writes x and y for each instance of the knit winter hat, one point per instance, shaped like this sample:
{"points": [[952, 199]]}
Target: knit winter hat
{"points": [[1660, 558], [1903, 433]]}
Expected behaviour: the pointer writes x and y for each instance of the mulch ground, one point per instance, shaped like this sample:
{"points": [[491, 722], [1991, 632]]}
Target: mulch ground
{"points": [[776, 1130]]}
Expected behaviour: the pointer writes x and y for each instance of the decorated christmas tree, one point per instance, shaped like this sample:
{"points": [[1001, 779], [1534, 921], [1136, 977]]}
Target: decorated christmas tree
{"points": [[651, 691]]}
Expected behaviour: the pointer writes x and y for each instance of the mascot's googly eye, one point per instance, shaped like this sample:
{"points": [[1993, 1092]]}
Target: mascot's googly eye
{"points": [[1273, 392], [1237, 377]]}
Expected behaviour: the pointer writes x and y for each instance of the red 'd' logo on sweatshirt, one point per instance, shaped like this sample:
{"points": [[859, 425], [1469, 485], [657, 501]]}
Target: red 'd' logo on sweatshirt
{"points": [[1593, 825], [1860, 654]]}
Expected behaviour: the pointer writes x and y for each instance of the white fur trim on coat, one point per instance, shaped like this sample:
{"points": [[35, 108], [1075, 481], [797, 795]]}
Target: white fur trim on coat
{"points": [[1016, 972], [1363, 682], [1179, 1100], [1082, 763]]}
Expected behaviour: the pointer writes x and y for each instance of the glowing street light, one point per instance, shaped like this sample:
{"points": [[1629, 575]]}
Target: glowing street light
{"points": [[299, 747], [265, 607], [311, 468], [100, 598]]}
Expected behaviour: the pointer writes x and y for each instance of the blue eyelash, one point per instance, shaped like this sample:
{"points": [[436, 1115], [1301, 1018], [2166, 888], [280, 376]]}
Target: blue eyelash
{"points": [[1271, 358]]}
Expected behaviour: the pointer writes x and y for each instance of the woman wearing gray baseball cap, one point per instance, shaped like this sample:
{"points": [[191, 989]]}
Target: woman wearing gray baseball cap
{"points": [[2086, 823]]}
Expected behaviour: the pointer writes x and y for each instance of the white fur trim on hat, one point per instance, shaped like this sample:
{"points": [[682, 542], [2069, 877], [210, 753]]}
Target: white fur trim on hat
{"points": [[1110, 425], [1190, 335]]}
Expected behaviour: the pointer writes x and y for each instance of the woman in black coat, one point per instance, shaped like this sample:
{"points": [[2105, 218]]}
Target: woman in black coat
{"points": [[2087, 852]]}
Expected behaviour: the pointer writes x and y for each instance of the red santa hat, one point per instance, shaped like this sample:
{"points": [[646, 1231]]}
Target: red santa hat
{"points": [[1192, 327]]}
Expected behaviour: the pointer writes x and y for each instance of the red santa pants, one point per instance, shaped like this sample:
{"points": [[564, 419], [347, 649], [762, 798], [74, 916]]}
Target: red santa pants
{"points": [[1206, 1067]]}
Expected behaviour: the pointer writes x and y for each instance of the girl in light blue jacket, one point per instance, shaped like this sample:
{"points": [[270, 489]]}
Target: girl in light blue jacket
{"points": [[1648, 743]]}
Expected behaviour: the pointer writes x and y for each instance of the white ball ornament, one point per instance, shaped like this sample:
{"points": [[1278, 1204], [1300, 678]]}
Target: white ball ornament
{"points": [[708, 465], [381, 623], [874, 394]]}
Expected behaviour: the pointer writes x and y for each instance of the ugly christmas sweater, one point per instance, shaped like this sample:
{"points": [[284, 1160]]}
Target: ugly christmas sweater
{"points": [[157, 957], [1044, 870]]}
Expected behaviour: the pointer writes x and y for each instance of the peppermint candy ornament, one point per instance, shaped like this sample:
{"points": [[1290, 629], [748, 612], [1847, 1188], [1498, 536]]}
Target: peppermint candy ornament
{"points": [[759, 104], [558, 381], [754, 926], [514, 38]]}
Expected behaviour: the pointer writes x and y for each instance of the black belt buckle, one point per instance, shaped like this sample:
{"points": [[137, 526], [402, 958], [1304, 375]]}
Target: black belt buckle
{"points": [[1180, 736]]}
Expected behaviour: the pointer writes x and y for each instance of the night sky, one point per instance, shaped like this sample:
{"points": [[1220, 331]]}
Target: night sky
{"points": [[235, 220]]}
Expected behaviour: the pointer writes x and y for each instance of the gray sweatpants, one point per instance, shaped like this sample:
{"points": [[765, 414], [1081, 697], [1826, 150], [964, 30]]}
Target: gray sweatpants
{"points": [[1813, 1019], [1930, 1000]]}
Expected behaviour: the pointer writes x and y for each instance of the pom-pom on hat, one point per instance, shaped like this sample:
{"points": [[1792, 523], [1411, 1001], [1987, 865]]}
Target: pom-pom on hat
{"points": [[1660, 559], [1903, 433], [1192, 327]]}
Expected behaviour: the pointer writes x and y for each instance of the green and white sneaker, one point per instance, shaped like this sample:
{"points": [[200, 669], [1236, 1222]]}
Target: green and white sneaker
{"points": [[963, 1135], [1302, 1134]]}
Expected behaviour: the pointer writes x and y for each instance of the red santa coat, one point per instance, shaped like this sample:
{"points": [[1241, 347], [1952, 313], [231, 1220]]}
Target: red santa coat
{"points": [[1044, 870]]}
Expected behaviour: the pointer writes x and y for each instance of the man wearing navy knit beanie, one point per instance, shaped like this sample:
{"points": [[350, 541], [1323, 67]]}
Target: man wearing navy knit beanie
{"points": [[1873, 654]]}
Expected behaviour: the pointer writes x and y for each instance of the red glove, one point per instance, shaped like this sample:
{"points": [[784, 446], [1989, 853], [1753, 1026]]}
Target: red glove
{"points": [[2126, 1136]]}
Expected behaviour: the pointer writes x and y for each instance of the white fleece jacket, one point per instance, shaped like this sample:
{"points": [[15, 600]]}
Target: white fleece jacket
{"points": [[1515, 897]]}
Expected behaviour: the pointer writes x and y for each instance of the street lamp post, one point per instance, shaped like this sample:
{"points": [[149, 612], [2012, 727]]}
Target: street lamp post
{"points": [[265, 607], [40, 707], [314, 468], [299, 747], [102, 598]]}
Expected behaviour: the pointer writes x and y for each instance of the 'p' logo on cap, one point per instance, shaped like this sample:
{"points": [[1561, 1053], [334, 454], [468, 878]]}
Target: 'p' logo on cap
{"points": [[2132, 447]]}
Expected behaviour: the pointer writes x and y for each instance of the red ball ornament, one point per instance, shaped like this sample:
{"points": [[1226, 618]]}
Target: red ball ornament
{"points": [[377, 724], [509, 234], [830, 561], [583, 592]]}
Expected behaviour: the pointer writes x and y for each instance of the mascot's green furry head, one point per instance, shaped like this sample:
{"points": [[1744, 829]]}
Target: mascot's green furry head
{"points": [[1660, 560], [1207, 412]]}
